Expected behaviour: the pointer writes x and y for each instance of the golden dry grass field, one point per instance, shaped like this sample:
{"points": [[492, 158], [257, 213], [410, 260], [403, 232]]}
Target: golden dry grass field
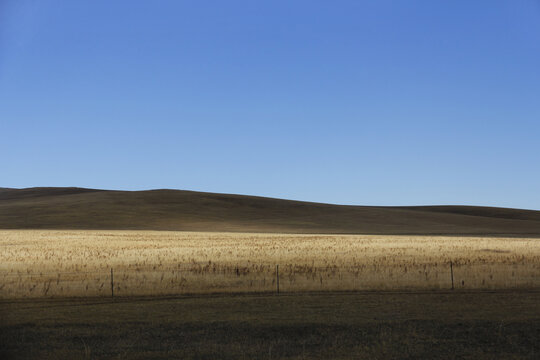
{"points": [[48, 263]]}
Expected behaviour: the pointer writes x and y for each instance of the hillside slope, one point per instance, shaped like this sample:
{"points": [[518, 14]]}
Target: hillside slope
{"points": [[76, 208]]}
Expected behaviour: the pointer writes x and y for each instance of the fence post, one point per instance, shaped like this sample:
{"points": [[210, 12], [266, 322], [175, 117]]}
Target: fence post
{"points": [[112, 284], [452, 274], [277, 277]]}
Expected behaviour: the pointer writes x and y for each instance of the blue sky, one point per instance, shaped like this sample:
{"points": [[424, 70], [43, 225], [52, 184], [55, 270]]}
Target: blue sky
{"points": [[352, 102]]}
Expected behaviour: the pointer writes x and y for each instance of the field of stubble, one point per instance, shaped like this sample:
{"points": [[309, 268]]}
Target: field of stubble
{"points": [[47, 263]]}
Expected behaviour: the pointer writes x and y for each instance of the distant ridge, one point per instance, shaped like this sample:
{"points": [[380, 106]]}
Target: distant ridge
{"points": [[79, 208]]}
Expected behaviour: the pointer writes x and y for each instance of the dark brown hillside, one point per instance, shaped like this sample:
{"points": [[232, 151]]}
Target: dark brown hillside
{"points": [[76, 208]]}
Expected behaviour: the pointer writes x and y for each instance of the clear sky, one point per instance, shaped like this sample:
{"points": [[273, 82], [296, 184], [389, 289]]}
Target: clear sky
{"points": [[352, 102]]}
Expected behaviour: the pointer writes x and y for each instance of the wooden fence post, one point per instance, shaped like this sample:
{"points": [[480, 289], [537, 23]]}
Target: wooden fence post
{"points": [[452, 274], [112, 284], [277, 277]]}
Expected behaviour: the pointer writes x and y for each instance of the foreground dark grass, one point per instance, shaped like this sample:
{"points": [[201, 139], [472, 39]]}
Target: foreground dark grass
{"points": [[480, 325]]}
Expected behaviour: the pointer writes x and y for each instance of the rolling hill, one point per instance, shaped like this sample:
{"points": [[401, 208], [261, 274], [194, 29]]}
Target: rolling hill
{"points": [[77, 208]]}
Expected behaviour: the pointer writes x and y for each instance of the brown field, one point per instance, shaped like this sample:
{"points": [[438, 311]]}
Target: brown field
{"points": [[48, 263], [178, 210]]}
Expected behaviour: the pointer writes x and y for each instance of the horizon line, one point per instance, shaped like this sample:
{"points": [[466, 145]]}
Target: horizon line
{"points": [[267, 197]]}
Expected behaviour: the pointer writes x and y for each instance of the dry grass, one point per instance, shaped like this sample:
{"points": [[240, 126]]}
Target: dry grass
{"points": [[37, 263]]}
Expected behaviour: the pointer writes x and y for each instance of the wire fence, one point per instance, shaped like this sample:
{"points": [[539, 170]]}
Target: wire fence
{"points": [[209, 277]]}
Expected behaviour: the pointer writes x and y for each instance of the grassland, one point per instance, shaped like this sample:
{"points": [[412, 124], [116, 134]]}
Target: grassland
{"points": [[429, 325], [208, 295], [47, 263], [76, 208]]}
